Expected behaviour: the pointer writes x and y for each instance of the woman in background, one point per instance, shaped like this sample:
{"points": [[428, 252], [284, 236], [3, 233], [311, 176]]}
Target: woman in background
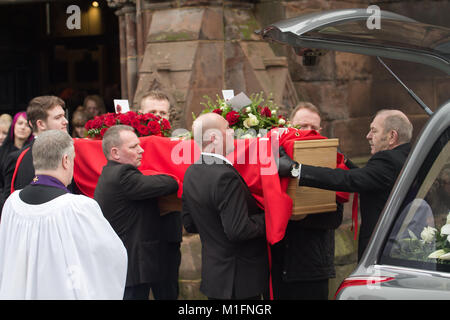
{"points": [[5, 123], [19, 135], [79, 119], [94, 105]]}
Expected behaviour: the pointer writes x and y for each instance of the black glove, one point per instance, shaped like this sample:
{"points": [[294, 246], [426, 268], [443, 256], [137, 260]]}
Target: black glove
{"points": [[285, 164]]}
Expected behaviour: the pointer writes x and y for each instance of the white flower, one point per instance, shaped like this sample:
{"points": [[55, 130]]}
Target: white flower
{"points": [[428, 234], [445, 256], [436, 254], [448, 218], [281, 121], [246, 136], [251, 121], [248, 109], [273, 112], [445, 229]]}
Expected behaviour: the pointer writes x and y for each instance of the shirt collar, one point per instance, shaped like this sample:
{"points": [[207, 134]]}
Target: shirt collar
{"points": [[217, 156]]}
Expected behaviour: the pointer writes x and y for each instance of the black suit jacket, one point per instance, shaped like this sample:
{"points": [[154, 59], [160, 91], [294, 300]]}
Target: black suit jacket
{"points": [[219, 206], [25, 173], [128, 200], [373, 182]]}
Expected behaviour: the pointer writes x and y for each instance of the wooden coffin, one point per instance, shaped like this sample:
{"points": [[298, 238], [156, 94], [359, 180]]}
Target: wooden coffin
{"points": [[307, 200], [169, 203]]}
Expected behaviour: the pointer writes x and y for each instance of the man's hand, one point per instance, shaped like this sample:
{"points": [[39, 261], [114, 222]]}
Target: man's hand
{"points": [[285, 164]]}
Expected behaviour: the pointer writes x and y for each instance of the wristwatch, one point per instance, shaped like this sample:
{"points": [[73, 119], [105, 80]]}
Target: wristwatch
{"points": [[295, 171]]}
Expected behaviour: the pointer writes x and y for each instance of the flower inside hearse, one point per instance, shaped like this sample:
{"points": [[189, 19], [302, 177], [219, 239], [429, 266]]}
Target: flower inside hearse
{"points": [[432, 246]]}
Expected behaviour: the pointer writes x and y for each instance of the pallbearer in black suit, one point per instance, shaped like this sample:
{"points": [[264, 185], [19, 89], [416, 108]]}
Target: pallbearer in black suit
{"points": [[303, 261], [129, 202], [219, 206], [158, 103], [389, 137]]}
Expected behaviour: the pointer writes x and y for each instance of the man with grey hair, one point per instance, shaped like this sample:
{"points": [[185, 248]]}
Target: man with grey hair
{"points": [[54, 244], [129, 200], [389, 139]]}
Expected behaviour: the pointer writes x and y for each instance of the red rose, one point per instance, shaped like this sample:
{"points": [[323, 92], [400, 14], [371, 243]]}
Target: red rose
{"points": [[97, 123], [135, 123], [110, 120], [88, 125], [143, 130], [266, 112], [154, 127], [131, 115], [103, 131], [124, 119], [232, 117], [218, 111], [149, 116], [165, 124]]}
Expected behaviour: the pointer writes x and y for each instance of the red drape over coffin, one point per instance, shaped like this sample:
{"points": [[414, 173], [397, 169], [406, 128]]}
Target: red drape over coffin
{"points": [[253, 158]]}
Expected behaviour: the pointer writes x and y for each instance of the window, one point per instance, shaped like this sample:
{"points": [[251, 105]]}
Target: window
{"points": [[418, 238]]}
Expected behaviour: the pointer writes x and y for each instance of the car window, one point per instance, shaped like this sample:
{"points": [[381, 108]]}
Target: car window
{"points": [[420, 234]]}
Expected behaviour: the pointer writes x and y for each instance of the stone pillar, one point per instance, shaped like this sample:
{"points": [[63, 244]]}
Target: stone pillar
{"points": [[130, 30], [126, 12], [140, 31], [123, 55]]}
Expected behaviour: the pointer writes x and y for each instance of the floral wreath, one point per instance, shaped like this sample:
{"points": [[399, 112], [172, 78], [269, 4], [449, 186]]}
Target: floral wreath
{"points": [[251, 120], [144, 124]]}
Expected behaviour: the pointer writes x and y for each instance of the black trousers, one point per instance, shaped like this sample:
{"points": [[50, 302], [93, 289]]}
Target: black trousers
{"points": [[300, 290], [167, 288]]}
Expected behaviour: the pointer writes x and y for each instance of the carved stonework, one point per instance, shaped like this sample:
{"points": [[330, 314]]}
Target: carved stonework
{"points": [[195, 51]]}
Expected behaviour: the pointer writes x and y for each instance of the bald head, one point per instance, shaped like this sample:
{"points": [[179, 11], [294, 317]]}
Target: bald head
{"points": [[213, 134]]}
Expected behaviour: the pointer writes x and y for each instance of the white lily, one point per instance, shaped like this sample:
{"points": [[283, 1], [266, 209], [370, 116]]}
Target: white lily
{"points": [[445, 229], [445, 256], [436, 254]]}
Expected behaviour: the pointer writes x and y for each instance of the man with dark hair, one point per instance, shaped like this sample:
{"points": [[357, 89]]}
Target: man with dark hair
{"points": [[389, 139], [43, 113], [129, 201], [303, 260]]}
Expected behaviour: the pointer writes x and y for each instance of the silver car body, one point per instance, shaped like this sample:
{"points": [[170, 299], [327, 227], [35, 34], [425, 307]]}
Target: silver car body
{"points": [[381, 274]]}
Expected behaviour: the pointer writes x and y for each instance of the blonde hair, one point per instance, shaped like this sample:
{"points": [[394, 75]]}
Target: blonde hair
{"points": [[5, 121]]}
